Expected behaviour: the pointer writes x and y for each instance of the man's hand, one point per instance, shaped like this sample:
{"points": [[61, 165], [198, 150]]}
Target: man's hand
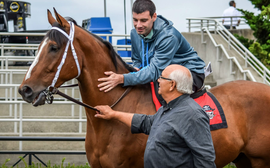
{"points": [[110, 82], [105, 112]]}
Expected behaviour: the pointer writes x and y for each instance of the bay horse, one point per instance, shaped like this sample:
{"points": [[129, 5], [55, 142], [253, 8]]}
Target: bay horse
{"points": [[110, 143]]}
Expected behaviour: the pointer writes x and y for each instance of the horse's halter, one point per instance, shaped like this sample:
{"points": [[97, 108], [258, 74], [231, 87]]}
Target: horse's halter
{"points": [[70, 41], [53, 90]]}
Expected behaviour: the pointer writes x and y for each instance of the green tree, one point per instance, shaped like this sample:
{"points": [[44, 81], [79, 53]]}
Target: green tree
{"points": [[260, 24], [259, 3]]}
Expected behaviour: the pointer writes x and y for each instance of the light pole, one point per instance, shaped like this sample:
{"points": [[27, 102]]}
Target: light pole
{"points": [[105, 14], [131, 3]]}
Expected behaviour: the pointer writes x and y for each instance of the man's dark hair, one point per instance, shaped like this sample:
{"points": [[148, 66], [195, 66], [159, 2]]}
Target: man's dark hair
{"points": [[231, 3], [140, 6]]}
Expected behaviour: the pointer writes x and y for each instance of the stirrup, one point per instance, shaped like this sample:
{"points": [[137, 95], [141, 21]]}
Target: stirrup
{"points": [[203, 86]]}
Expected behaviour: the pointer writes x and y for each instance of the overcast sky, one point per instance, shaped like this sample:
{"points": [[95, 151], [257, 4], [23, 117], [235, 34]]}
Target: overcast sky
{"points": [[175, 10]]}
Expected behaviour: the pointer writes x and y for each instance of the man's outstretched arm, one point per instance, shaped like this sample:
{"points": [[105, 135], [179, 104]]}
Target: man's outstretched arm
{"points": [[139, 123], [107, 113]]}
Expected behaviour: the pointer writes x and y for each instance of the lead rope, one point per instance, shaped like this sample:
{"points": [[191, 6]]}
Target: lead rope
{"points": [[49, 98]]}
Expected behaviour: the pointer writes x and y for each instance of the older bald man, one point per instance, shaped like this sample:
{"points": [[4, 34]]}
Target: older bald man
{"points": [[179, 133]]}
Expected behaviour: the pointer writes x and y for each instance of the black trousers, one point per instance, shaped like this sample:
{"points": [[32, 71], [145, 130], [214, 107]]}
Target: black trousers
{"points": [[198, 80], [228, 27]]}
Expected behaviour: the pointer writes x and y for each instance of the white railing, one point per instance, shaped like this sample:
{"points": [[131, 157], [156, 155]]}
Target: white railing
{"points": [[18, 120], [245, 72], [7, 75], [16, 110], [198, 23], [212, 25], [9, 49], [18, 117]]}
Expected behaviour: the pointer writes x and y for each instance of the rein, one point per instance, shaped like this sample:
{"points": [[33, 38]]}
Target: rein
{"points": [[53, 90], [49, 96]]}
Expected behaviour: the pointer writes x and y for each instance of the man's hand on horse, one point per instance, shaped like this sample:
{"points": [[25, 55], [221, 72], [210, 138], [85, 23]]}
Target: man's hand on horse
{"points": [[108, 83]]}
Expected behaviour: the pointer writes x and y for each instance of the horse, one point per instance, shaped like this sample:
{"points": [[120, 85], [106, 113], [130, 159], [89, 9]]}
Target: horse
{"points": [[85, 56]]}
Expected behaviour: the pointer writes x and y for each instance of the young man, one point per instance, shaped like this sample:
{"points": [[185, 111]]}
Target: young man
{"points": [[155, 45], [179, 133]]}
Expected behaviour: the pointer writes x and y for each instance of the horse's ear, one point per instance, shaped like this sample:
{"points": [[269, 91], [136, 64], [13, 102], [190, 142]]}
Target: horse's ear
{"points": [[50, 17], [62, 21]]}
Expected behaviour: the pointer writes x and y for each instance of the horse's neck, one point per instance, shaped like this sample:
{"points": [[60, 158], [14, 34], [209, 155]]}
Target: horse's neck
{"points": [[95, 62]]}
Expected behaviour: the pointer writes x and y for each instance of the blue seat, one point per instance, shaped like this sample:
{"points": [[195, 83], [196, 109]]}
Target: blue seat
{"points": [[124, 42], [100, 25]]}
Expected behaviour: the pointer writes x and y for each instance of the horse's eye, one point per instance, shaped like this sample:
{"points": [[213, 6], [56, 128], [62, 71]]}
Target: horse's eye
{"points": [[53, 48]]}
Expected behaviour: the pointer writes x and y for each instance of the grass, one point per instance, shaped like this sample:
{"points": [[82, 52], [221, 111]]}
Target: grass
{"points": [[229, 166], [39, 165]]}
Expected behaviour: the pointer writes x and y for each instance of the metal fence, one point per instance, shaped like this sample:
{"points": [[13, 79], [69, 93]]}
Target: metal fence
{"points": [[197, 23], [35, 153], [214, 26], [8, 50]]}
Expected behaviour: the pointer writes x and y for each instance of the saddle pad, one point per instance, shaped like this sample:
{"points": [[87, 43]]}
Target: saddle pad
{"points": [[213, 109], [154, 97]]}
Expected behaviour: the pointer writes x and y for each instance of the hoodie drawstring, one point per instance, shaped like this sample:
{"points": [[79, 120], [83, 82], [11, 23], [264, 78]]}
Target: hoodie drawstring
{"points": [[147, 60]]}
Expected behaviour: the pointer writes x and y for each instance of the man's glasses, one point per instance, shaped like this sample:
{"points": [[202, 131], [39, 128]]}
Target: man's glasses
{"points": [[161, 77]]}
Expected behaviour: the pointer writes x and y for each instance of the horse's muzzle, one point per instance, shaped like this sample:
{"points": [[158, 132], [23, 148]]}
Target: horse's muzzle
{"points": [[31, 97]]}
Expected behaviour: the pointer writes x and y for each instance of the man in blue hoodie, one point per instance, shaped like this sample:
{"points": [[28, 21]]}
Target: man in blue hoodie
{"points": [[155, 45]]}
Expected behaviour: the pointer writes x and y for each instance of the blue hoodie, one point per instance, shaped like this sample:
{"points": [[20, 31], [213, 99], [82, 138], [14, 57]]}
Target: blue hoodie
{"points": [[167, 46]]}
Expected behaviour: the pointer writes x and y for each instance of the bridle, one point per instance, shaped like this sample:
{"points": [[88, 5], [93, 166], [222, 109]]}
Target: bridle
{"points": [[53, 90]]}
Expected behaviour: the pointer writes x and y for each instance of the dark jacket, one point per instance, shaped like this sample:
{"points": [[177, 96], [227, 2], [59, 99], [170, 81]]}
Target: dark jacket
{"points": [[179, 136], [167, 46]]}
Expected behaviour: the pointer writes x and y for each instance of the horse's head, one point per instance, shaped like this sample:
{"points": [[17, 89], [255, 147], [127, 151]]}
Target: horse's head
{"points": [[50, 67]]}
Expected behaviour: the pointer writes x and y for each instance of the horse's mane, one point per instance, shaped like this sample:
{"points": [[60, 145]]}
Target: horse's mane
{"points": [[60, 39]]}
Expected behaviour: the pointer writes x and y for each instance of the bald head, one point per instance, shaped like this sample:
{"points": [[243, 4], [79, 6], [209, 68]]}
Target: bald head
{"points": [[182, 76], [169, 69]]}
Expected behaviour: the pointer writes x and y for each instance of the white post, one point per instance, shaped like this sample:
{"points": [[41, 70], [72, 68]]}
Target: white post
{"points": [[231, 67], [15, 110], [21, 125], [215, 27], [245, 76], [246, 59], [189, 25], [6, 64], [231, 23], [80, 117], [229, 42], [72, 95], [264, 76], [2, 50], [15, 117]]}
